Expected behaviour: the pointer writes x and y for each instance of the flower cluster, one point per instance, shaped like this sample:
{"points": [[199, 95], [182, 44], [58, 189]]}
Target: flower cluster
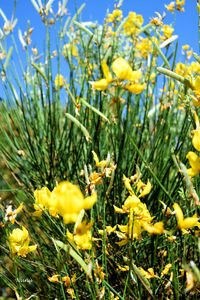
{"points": [[139, 218]]}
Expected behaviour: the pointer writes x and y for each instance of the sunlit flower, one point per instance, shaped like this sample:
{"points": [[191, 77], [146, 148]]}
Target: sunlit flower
{"points": [[42, 198], [182, 69], [54, 278], [196, 133], [166, 269], [108, 229], [59, 81], [194, 161], [67, 199], [136, 88], [102, 84], [82, 238], [123, 71], [115, 16], [186, 223], [167, 31], [19, 241], [148, 274], [157, 228], [170, 7], [129, 27], [101, 163]]}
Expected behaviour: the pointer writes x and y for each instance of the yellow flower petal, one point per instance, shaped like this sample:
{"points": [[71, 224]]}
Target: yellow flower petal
{"points": [[146, 190], [194, 161], [106, 72], [99, 85], [196, 139], [136, 88], [122, 69]]}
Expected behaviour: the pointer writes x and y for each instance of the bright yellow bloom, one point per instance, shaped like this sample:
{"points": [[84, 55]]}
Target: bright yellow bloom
{"points": [[146, 188], [101, 163], [82, 238], [166, 270], [157, 228], [144, 47], [54, 278], [194, 162], [180, 2], [106, 72], [59, 81], [196, 133], [186, 223], [19, 241], [167, 31], [195, 67], [115, 16], [185, 47], [102, 84], [99, 85], [123, 71], [67, 199], [182, 69], [148, 274], [129, 27], [109, 230], [42, 198], [139, 216], [170, 7], [136, 88]]}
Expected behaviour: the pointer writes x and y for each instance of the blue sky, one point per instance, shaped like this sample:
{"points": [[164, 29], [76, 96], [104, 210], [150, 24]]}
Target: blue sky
{"points": [[186, 23]]}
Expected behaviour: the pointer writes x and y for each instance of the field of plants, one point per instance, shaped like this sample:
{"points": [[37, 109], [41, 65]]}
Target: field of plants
{"points": [[100, 163]]}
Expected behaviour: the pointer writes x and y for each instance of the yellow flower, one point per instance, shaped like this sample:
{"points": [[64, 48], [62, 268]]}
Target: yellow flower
{"points": [[109, 230], [115, 16], [129, 27], [180, 2], [144, 47], [170, 7], [196, 133], [102, 84], [54, 278], [122, 69], [157, 228], [101, 163], [166, 270], [42, 198], [185, 47], [99, 85], [106, 72], [83, 235], [19, 241], [186, 223], [67, 199], [182, 69], [136, 88], [194, 162], [148, 274], [59, 81], [167, 31], [146, 188]]}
